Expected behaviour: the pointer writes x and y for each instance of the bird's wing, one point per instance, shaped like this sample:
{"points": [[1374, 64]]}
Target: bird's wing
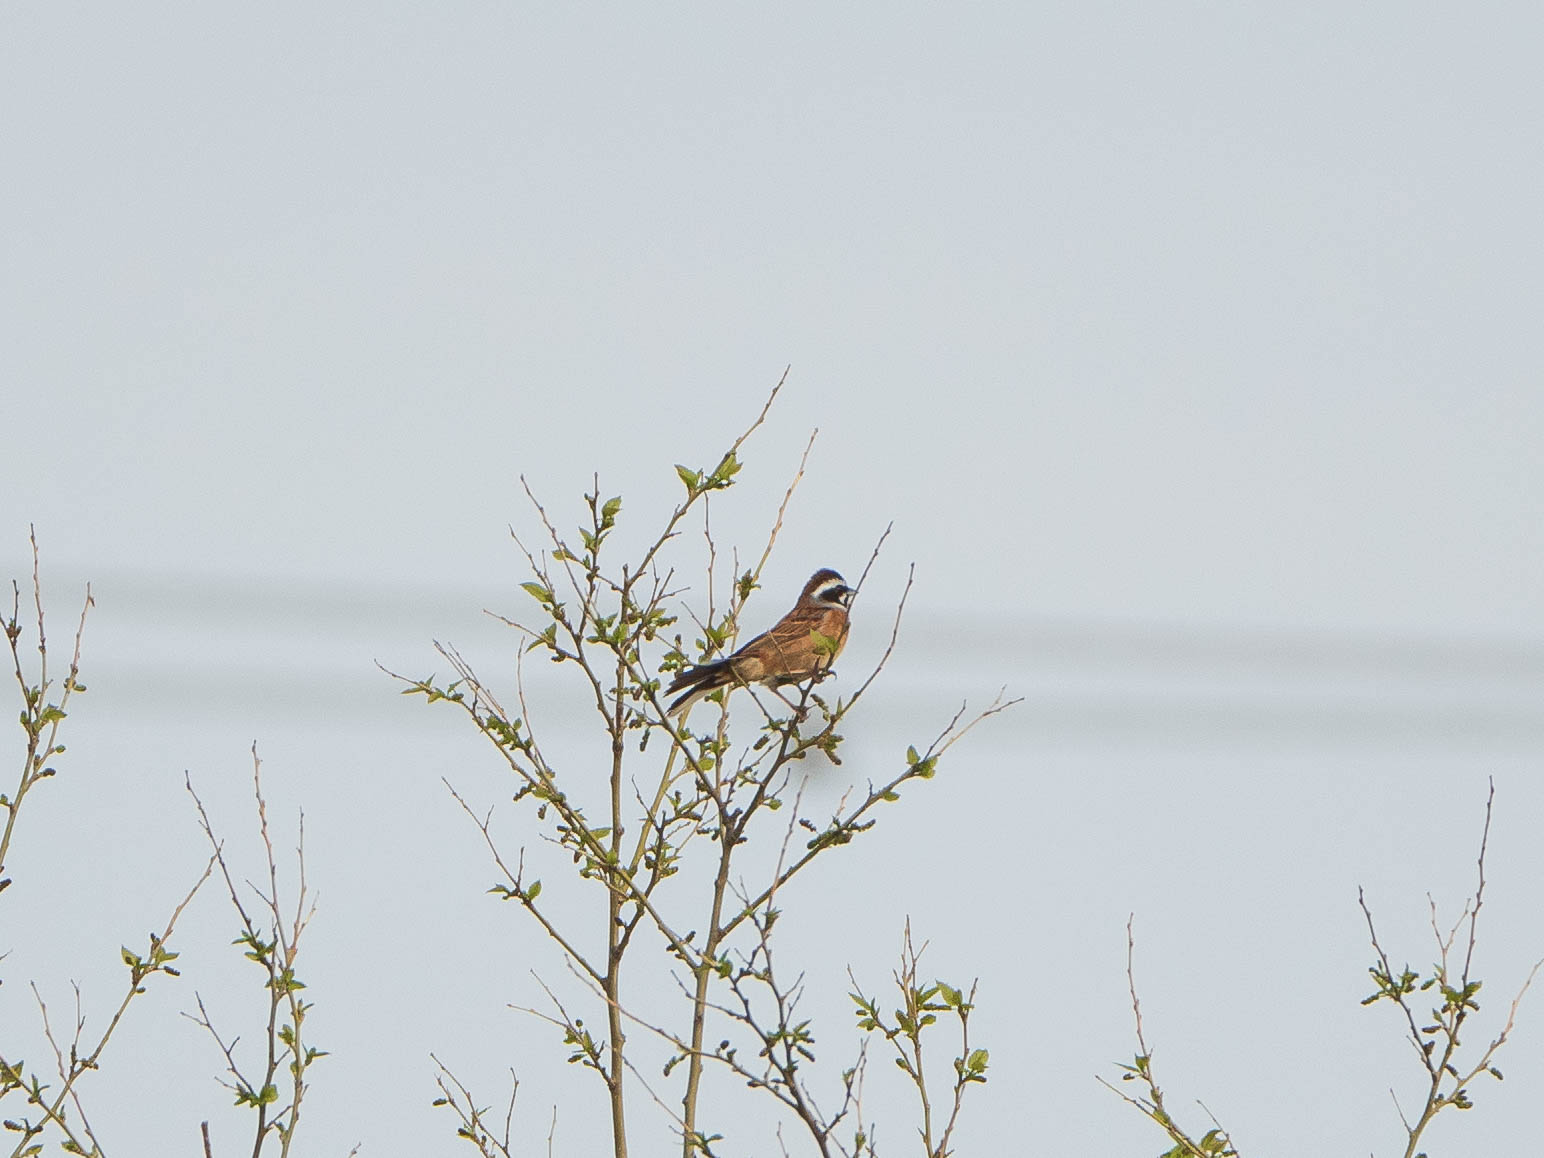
{"points": [[790, 638]]}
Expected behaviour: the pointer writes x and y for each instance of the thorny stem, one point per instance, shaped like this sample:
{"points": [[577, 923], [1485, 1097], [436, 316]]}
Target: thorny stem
{"points": [[80, 1065], [614, 928], [455, 1095], [40, 718], [690, 1140], [516, 880], [854, 820], [960, 1079], [1142, 1071], [278, 959], [1457, 1002], [648, 558], [906, 979]]}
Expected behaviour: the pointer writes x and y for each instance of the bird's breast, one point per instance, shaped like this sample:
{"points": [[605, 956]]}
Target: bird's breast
{"points": [[833, 625]]}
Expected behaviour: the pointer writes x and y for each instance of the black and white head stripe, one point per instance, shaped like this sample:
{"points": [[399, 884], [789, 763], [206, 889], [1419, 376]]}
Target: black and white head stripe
{"points": [[829, 587]]}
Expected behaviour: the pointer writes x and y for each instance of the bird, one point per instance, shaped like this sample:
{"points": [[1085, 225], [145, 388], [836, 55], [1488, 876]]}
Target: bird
{"points": [[790, 651]]}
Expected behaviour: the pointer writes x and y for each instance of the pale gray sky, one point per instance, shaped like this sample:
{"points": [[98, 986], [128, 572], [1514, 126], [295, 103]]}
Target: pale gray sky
{"points": [[1194, 352]]}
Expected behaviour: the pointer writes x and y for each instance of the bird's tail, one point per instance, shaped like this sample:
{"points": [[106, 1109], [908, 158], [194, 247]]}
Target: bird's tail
{"points": [[696, 682]]}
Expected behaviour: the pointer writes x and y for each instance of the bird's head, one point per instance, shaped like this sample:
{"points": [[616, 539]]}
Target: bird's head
{"points": [[826, 589]]}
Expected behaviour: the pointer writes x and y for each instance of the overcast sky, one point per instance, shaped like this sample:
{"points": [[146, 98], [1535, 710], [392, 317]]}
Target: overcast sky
{"points": [[1193, 351]]}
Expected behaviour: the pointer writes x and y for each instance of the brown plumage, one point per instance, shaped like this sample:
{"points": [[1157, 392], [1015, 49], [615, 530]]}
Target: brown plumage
{"points": [[785, 654]]}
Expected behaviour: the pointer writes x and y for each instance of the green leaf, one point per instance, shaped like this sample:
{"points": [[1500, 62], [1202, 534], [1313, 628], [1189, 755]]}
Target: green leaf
{"points": [[692, 478], [728, 467], [1216, 1142], [534, 891], [613, 505], [538, 592]]}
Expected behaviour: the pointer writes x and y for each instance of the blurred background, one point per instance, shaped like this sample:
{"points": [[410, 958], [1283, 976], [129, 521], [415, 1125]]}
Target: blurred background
{"points": [[1193, 352]]}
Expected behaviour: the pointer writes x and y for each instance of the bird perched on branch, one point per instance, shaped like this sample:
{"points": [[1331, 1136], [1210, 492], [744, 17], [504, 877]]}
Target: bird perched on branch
{"points": [[803, 643]]}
